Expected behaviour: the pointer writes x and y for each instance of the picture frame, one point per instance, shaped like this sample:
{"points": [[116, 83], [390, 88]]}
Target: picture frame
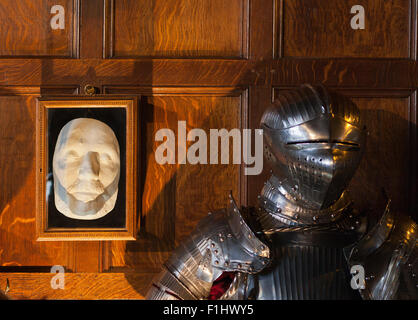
{"points": [[54, 218]]}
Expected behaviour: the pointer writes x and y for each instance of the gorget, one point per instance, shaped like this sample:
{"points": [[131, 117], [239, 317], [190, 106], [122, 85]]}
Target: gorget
{"points": [[278, 207], [306, 261]]}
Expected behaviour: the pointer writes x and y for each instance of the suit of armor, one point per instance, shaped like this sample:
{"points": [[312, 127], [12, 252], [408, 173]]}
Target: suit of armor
{"points": [[305, 236]]}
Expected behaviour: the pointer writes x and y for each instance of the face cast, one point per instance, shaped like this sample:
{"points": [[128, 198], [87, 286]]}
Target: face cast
{"points": [[86, 169]]}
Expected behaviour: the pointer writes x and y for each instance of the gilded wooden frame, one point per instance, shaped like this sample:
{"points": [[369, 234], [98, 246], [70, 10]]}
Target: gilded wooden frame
{"points": [[45, 233]]}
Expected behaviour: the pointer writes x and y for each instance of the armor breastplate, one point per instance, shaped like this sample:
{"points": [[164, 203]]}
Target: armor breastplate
{"points": [[306, 263], [289, 261], [305, 272]]}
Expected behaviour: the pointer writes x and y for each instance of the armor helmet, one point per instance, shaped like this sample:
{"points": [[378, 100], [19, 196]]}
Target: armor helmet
{"points": [[314, 140]]}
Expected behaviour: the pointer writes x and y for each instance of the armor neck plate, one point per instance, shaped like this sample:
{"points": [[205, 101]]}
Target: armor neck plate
{"points": [[283, 207]]}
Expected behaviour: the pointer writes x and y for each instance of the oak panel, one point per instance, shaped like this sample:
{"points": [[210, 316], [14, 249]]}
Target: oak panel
{"points": [[25, 29], [18, 246], [175, 197], [319, 28], [79, 286], [355, 73], [387, 160], [176, 28]]}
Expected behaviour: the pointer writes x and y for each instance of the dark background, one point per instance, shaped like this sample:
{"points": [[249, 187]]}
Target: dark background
{"points": [[115, 118]]}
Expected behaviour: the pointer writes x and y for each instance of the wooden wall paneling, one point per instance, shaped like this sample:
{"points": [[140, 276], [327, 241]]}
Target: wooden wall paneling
{"points": [[17, 172], [176, 29], [319, 29], [355, 73], [390, 158], [363, 74], [78, 286], [26, 29], [196, 68], [173, 199], [91, 32]]}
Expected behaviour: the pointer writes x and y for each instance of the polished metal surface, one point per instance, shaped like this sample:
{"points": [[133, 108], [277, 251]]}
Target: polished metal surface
{"points": [[305, 272], [221, 242], [314, 143], [304, 236], [389, 256], [281, 207]]}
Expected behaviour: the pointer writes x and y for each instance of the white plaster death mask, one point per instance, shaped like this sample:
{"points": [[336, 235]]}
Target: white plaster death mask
{"points": [[86, 169]]}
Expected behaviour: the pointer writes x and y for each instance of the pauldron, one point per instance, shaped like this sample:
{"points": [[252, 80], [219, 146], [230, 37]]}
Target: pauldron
{"points": [[389, 256], [221, 242]]}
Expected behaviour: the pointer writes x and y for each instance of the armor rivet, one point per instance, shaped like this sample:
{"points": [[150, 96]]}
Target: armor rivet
{"points": [[279, 210], [262, 247], [216, 262], [226, 263], [249, 236], [352, 227], [350, 216], [221, 239], [332, 215], [315, 218], [216, 251], [414, 275], [357, 222], [229, 235], [239, 265], [410, 265], [263, 262], [241, 222], [212, 245]]}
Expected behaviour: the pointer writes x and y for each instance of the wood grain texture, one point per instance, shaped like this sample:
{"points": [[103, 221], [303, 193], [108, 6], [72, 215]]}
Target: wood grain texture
{"points": [[173, 28], [196, 61], [386, 162], [17, 172], [356, 73], [79, 286], [26, 31], [319, 28], [176, 197]]}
